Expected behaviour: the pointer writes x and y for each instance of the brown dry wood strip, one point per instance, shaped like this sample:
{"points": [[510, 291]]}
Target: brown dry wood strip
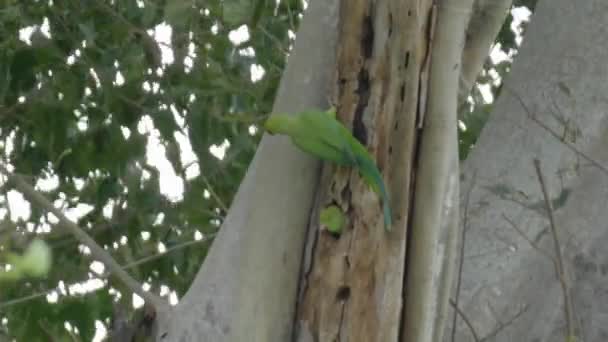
{"points": [[353, 286]]}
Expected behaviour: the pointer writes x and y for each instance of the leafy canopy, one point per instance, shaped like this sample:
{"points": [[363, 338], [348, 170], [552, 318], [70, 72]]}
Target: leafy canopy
{"points": [[118, 111]]}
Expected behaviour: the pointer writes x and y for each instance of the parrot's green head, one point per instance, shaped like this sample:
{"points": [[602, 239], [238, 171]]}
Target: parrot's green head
{"points": [[280, 124]]}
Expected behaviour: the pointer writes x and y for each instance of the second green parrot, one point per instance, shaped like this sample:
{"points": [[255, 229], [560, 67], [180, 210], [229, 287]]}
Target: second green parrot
{"points": [[322, 135]]}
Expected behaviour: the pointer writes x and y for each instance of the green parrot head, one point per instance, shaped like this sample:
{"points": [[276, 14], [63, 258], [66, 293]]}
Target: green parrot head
{"points": [[280, 123]]}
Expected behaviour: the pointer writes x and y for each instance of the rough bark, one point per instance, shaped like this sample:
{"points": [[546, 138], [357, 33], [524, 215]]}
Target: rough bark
{"points": [[510, 291], [353, 284]]}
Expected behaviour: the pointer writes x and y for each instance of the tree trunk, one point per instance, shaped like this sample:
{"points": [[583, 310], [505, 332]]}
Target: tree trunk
{"points": [[510, 291], [397, 89], [353, 287], [246, 288]]}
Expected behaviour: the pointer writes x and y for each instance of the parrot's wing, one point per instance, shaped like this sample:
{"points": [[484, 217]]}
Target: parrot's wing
{"points": [[319, 148], [336, 142], [350, 154]]}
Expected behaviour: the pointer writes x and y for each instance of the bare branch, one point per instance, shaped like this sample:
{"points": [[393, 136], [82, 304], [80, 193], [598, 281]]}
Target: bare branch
{"points": [[501, 325], [554, 133], [486, 20], [217, 198], [138, 262], [466, 321], [525, 237], [568, 305]]}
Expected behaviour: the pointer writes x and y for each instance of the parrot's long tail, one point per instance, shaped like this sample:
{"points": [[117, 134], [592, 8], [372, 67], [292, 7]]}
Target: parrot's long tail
{"points": [[372, 175]]}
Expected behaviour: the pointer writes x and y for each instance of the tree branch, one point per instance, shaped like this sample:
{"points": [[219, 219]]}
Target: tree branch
{"points": [[502, 325], [97, 251], [554, 133], [465, 224], [138, 262], [486, 20], [466, 321], [561, 274], [530, 241]]}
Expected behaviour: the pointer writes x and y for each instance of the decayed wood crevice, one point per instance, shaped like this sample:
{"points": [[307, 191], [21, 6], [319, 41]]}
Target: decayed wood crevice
{"points": [[352, 286]]}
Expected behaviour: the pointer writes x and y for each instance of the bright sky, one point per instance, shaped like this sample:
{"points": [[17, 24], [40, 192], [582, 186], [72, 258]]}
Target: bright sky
{"points": [[171, 185]]}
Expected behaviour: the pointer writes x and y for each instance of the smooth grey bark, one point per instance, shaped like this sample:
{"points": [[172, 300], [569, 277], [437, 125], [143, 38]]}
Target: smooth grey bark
{"points": [[486, 20], [560, 74], [434, 237], [246, 288]]}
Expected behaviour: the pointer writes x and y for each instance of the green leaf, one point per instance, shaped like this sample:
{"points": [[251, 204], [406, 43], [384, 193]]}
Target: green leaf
{"points": [[333, 219], [236, 12], [88, 30], [177, 11], [22, 69]]}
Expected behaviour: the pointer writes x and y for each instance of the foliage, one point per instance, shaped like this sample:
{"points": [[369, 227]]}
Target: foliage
{"points": [[474, 115], [115, 124]]}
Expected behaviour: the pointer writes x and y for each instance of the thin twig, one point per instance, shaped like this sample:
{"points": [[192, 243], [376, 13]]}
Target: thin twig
{"points": [[27, 298], [213, 193], [138, 262], [466, 320], [167, 251], [134, 28], [532, 243], [465, 225], [9, 211], [568, 305], [290, 15], [96, 251], [501, 325], [274, 40], [555, 134]]}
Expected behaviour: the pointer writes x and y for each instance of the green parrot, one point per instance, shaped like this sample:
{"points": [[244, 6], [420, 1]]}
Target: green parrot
{"points": [[322, 135]]}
